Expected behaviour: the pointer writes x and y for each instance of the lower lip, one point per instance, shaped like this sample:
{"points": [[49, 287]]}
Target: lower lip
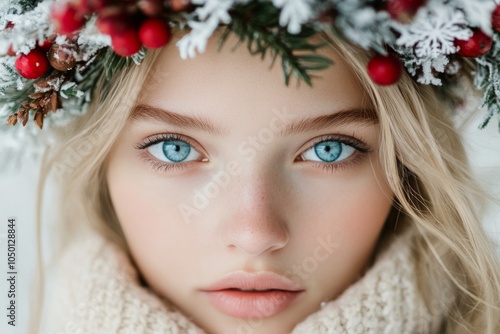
{"points": [[251, 304]]}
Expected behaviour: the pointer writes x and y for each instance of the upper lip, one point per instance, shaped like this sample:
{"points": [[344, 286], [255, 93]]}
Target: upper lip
{"points": [[260, 281]]}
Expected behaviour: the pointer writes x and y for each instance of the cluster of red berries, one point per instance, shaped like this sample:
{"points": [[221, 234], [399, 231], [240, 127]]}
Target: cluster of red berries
{"points": [[387, 69], [131, 24]]}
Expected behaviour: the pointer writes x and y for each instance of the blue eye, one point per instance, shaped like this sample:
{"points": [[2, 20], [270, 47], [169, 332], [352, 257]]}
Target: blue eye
{"points": [[173, 151], [328, 151]]}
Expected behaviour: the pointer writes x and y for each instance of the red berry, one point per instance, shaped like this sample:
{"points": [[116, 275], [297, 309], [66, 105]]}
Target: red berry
{"points": [[105, 24], [154, 33], [495, 18], [33, 65], [45, 45], [114, 20], [67, 19], [385, 70], [403, 10], [9, 25], [126, 43], [476, 46]]}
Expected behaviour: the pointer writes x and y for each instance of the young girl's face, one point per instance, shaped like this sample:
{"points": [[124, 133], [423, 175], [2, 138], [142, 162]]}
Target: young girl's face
{"points": [[244, 202]]}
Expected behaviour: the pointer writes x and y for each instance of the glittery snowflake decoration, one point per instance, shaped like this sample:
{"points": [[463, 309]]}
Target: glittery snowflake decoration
{"points": [[433, 32]]}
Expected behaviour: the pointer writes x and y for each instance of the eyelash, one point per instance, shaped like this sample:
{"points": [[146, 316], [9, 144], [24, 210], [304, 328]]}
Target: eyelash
{"points": [[358, 144]]}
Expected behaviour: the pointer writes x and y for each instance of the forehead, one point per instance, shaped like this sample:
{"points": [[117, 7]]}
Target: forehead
{"points": [[231, 82]]}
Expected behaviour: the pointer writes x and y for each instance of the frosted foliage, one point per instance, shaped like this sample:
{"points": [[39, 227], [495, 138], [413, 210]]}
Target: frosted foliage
{"points": [[28, 27], [8, 74], [70, 86], [211, 13], [487, 77], [426, 68], [433, 31], [364, 25], [215, 8], [492, 75], [428, 65], [4, 46], [5, 109], [476, 11], [196, 40], [294, 13], [6, 5], [26, 144], [91, 40], [36, 25]]}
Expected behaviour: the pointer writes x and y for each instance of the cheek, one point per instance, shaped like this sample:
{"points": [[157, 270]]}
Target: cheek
{"points": [[351, 205], [148, 211], [365, 207], [339, 225]]}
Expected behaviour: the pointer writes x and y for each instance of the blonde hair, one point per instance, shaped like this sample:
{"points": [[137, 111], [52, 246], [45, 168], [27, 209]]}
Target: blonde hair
{"points": [[79, 166], [423, 159], [426, 167]]}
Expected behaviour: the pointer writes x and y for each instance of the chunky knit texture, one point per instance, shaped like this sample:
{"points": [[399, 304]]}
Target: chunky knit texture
{"points": [[98, 291]]}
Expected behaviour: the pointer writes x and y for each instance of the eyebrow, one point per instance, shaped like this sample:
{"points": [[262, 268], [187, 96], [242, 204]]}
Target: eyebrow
{"points": [[342, 117], [356, 115], [145, 112]]}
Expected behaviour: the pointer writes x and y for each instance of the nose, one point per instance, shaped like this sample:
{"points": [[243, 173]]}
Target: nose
{"points": [[254, 223]]}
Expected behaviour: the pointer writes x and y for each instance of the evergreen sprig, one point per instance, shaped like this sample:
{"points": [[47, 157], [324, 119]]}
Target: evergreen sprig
{"points": [[10, 95], [105, 65], [28, 5], [263, 33], [487, 78]]}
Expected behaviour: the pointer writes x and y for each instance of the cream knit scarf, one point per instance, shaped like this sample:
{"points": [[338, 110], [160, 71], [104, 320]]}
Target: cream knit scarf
{"points": [[97, 291]]}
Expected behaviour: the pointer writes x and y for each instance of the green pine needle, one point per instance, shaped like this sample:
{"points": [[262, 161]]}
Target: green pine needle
{"points": [[28, 5], [264, 35]]}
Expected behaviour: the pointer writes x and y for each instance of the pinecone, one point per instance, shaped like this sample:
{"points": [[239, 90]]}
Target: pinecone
{"points": [[45, 99]]}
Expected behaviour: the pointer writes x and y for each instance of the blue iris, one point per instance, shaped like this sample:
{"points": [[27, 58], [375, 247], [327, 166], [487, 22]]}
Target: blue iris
{"points": [[176, 151], [328, 151]]}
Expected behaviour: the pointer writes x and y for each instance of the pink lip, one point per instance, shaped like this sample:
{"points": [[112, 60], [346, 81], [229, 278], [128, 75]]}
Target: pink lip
{"points": [[252, 295]]}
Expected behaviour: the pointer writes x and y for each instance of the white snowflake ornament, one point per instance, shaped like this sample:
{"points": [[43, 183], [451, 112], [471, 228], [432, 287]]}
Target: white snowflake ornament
{"points": [[433, 31]]}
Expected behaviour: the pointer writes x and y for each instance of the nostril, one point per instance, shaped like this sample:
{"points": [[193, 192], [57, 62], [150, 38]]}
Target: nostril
{"points": [[255, 241]]}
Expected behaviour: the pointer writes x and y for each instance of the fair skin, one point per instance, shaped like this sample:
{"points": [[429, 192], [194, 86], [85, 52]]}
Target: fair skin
{"points": [[248, 200]]}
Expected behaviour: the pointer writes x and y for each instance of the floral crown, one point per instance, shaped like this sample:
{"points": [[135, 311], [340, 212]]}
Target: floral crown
{"points": [[54, 52]]}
